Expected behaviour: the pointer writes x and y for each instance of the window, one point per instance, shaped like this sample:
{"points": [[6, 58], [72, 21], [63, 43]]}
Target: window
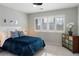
{"points": [[38, 23], [60, 24], [44, 23], [50, 24]]}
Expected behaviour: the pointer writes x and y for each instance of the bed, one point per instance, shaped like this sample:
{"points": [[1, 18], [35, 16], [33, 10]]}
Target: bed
{"points": [[21, 44], [24, 45]]}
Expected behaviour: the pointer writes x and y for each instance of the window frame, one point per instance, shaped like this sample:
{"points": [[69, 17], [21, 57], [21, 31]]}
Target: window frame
{"points": [[48, 30], [62, 31]]}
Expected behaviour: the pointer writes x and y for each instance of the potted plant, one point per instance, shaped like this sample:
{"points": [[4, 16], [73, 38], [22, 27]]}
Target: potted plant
{"points": [[70, 27]]}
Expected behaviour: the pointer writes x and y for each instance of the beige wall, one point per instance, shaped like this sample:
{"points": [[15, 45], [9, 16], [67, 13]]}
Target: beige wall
{"points": [[53, 37]]}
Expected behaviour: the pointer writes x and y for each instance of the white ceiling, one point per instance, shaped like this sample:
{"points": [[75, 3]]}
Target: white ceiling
{"points": [[28, 7]]}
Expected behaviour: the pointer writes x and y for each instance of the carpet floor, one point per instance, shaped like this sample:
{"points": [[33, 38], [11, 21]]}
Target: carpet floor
{"points": [[49, 50]]}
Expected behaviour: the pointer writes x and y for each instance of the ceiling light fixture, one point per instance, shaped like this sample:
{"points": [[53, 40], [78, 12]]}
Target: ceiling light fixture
{"points": [[37, 4]]}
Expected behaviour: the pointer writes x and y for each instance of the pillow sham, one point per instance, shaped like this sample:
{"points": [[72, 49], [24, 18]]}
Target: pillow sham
{"points": [[21, 33], [14, 34]]}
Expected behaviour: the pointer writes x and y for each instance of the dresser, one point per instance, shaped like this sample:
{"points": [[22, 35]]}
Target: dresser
{"points": [[71, 42]]}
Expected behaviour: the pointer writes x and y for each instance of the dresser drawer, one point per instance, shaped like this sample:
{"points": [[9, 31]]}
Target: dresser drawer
{"points": [[70, 47], [70, 42]]}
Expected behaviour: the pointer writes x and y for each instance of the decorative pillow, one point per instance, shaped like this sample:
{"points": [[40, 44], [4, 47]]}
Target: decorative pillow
{"points": [[14, 34], [21, 33], [8, 34]]}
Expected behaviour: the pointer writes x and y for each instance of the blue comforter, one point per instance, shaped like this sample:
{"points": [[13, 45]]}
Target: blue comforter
{"points": [[24, 46]]}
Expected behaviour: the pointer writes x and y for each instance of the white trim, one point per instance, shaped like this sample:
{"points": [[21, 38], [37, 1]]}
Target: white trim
{"points": [[49, 31]]}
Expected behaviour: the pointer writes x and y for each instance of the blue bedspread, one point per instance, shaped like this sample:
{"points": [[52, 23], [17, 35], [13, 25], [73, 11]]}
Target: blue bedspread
{"points": [[24, 46]]}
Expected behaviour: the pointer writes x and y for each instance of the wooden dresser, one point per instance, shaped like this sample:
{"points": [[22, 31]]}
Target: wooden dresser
{"points": [[71, 42]]}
